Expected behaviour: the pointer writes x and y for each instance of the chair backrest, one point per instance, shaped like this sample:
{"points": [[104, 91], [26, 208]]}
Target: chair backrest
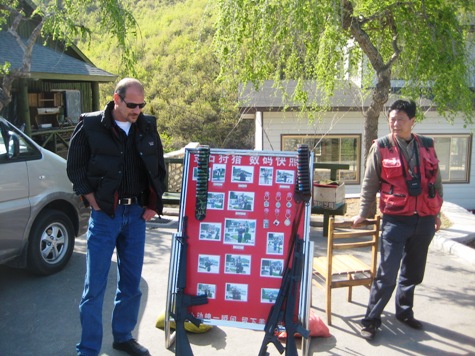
{"points": [[342, 236]]}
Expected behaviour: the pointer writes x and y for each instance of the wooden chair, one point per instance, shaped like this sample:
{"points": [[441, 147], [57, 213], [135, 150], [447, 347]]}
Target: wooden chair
{"points": [[336, 270]]}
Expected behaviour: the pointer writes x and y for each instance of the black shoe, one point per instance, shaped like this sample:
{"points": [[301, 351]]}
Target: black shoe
{"points": [[132, 347], [368, 332], [411, 322]]}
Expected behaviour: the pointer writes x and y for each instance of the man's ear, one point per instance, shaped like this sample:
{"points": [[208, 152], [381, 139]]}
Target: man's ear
{"points": [[116, 98]]}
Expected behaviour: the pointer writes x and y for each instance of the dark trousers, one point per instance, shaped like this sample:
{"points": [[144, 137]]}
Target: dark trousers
{"points": [[404, 245]]}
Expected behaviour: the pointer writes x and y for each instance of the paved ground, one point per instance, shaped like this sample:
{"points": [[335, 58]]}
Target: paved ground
{"points": [[39, 316]]}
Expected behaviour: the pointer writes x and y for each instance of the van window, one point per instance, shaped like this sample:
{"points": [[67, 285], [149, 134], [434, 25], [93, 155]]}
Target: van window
{"points": [[3, 148], [27, 150]]}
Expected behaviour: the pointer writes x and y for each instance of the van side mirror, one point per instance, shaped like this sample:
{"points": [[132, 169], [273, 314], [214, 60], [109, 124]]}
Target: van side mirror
{"points": [[13, 145]]}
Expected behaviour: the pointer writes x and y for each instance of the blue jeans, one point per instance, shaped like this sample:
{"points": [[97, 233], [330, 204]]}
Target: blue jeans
{"points": [[125, 233], [404, 245]]}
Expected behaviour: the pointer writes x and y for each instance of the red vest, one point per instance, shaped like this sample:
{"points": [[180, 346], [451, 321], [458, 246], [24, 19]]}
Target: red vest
{"points": [[394, 195]]}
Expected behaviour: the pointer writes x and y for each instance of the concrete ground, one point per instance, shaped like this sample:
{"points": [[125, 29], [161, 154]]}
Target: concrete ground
{"points": [[445, 303], [39, 316]]}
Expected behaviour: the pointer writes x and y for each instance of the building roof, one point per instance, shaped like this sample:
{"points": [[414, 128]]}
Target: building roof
{"points": [[50, 64], [270, 96], [347, 96]]}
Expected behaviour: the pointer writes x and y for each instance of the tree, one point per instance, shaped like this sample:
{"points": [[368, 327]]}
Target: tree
{"points": [[428, 45], [178, 67], [57, 20]]}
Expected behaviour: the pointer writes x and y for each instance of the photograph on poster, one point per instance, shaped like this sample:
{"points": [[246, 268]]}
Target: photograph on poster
{"points": [[195, 173], [208, 263], [210, 231], [215, 201], [265, 175], [240, 232], [269, 295], [242, 174], [208, 289], [285, 176], [241, 201], [275, 243], [272, 268], [237, 264], [218, 174], [236, 292]]}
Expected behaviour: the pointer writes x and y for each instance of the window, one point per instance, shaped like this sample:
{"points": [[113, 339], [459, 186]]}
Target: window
{"points": [[453, 152], [334, 149], [27, 150]]}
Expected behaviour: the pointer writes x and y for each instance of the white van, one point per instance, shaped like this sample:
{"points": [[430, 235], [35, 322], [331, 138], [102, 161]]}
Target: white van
{"points": [[40, 215]]}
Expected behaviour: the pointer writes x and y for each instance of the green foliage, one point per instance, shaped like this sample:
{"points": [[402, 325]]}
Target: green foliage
{"points": [[290, 39], [426, 44], [111, 17], [176, 63], [5, 69]]}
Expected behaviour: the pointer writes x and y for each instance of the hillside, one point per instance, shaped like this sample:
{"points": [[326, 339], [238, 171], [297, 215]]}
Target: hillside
{"points": [[176, 63]]}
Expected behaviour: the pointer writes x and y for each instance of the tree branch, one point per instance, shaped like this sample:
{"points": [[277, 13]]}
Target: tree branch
{"points": [[394, 42], [354, 26], [385, 11], [12, 30]]}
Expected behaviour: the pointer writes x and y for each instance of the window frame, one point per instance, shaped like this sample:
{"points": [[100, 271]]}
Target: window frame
{"points": [[28, 151], [305, 138], [468, 153]]}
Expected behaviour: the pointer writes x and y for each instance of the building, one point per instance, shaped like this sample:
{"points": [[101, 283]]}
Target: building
{"points": [[336, 135], [61, 84]]}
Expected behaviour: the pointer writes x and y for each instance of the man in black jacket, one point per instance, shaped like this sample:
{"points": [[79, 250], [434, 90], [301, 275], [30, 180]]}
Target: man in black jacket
{"points": [[115, 162]]}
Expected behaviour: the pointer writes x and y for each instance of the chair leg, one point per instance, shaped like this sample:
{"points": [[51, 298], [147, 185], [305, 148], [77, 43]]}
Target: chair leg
{"points": [[350, 288], [329, 305]]}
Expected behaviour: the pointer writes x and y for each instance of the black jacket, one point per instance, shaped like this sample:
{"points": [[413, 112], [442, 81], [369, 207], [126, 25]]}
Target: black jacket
{"points": [[95, 159]]}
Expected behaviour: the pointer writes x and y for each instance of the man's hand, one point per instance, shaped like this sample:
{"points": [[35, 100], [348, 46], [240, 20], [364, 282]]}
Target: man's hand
{"points": [[438, 223], [148, 214], [357, 220], [92, 201]]}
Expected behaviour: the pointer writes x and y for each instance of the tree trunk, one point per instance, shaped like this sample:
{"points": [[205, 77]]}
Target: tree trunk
{"points": [[5, 91], [27, 48], [382, 69], [379, 98], [383, 72]]}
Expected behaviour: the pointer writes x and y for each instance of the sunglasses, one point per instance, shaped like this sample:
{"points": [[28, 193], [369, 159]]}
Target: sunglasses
{"points": [[133, 105]]}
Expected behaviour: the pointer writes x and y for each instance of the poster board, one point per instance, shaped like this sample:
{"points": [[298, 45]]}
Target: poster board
{"points": [[238, 252]]}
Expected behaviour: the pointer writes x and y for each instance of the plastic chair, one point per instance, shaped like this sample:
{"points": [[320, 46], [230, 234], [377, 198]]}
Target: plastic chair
{"points": [[337, 270]]}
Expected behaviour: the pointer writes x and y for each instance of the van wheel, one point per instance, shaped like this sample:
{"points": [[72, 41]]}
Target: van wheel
{"points": [[51, 242]]}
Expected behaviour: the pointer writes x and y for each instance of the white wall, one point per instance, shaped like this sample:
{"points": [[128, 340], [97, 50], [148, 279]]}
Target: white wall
{"points": [[276, 123]]}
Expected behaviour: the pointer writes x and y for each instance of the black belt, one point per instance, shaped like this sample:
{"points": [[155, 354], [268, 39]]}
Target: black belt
{"points": [[128, 201]]}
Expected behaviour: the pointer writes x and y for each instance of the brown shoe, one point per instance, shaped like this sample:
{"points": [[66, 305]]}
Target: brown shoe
{"points": [[132, 347]]}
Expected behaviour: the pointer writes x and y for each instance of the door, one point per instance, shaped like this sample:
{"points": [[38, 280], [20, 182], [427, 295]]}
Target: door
{"points": [[14, 202]]}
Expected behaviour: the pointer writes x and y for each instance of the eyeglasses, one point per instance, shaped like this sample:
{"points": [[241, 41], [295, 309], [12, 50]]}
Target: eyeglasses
{"points": [[133, 105]]}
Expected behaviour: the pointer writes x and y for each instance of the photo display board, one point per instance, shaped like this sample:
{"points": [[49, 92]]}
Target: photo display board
{"points": [[237, 251]]}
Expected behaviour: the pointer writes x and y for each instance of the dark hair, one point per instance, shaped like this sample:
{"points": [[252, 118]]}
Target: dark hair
{"points": [[408, 106]]}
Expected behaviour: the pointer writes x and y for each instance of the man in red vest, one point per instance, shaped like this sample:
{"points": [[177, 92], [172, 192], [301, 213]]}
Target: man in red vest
{"points": [[403, 168]]}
